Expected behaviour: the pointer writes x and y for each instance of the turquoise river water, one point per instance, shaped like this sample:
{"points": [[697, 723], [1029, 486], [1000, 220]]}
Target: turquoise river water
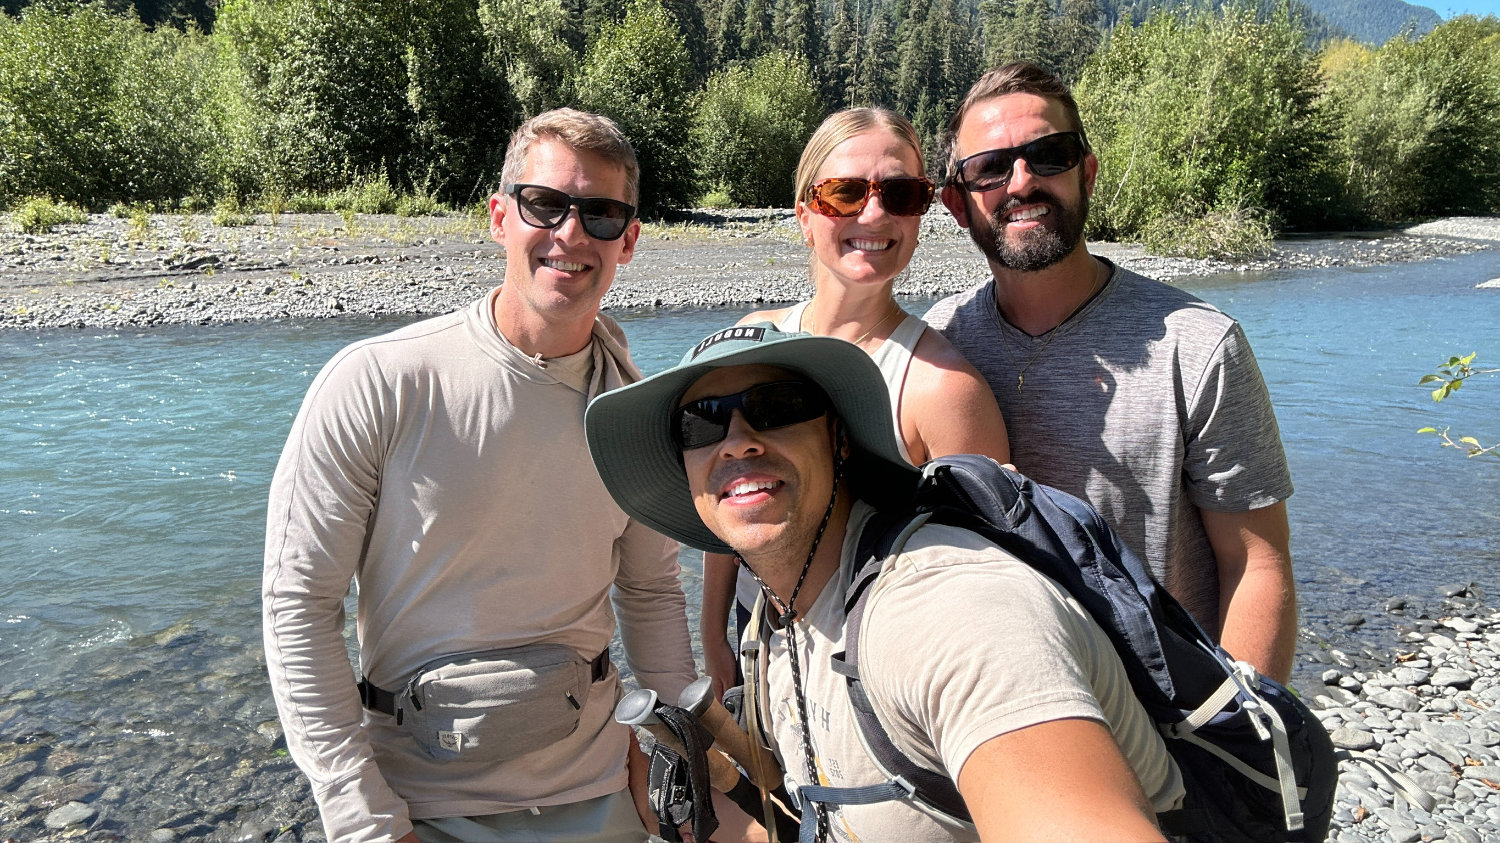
{"points": [[134, 467]]}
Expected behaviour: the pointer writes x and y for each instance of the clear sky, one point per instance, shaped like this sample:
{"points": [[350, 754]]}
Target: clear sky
{"points": [[1452, 8]]}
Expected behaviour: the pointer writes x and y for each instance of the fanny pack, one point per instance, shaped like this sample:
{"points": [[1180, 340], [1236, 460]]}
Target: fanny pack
{"points": [[492, 705]]}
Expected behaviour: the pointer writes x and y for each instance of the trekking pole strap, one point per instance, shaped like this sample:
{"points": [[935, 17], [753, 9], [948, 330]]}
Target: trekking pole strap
{"points": [[889, 791], [1400, 783]]}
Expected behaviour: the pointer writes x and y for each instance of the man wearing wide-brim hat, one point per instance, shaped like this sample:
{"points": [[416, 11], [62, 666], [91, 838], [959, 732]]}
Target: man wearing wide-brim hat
{"points": [[779, 448]]}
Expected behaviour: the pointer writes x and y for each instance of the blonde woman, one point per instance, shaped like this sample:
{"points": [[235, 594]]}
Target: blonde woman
{"points": [[861, 192]]}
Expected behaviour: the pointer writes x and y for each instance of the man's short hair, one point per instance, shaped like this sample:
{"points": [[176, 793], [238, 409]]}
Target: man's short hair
{"points": [[579, 130], [1015, 78], [842, 126]]}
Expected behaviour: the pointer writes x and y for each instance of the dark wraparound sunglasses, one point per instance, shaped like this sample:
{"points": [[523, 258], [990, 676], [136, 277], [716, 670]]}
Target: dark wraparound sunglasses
{"points": [[1049, 155], [765, 406], [545, 207], [903, 197]]}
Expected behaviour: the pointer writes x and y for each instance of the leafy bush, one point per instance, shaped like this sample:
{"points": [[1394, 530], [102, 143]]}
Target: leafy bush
{"points": [[313, 91], [41, 214], [421, 204], [750, 127], [229, 213], [717, 199], [1419, 121], [366, 195], [307, 203], [1202, 112], [96, 110], [637, 73], [1219, 232]]}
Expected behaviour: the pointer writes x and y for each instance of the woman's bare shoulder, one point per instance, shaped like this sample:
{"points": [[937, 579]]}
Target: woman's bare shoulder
{"points": [[772, 316]]}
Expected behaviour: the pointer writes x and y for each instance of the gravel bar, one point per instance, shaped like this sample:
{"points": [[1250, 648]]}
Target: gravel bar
{"points": [[183, 269]]}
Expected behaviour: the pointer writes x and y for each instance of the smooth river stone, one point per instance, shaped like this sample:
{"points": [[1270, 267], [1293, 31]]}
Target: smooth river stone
{"points": [[1447, 677], [1410, 675], [69, 814], [1398, 698], [1355, 739], [1448, 732]]}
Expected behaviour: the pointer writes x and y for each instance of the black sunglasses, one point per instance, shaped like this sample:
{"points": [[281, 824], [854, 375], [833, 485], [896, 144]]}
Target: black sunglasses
{"points": [[545, 207], [1049, 155], [765, 406], [908, 196]]}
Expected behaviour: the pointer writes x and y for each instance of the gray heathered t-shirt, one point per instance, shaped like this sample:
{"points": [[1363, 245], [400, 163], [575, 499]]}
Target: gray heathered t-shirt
{"points": [[1148, 403]]}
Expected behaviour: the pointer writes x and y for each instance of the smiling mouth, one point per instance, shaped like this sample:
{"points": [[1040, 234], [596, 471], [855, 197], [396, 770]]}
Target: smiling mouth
{"points": [[863, 245], [747, 487], [1028, 214], [564, 266]]}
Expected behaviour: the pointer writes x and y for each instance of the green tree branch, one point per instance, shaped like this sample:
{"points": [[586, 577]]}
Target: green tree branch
{"points": [[1449, 377]]}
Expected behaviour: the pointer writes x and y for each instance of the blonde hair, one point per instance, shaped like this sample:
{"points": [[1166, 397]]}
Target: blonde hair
{"points": [[841, 126], [579, 130]]}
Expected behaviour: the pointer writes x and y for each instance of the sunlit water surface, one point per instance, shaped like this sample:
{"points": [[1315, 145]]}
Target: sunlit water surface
{"points": [[134, 467]]}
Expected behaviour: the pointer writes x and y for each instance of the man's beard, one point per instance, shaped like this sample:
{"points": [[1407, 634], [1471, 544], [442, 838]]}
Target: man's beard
{"points": [[1040, 247]]}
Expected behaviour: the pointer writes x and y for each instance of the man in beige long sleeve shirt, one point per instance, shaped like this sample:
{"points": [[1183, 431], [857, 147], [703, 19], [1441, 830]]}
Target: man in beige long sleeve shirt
{"points": [[443, 468]]}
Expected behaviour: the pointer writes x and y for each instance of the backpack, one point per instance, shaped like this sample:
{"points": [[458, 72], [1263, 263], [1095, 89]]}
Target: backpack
{"points": [[1257, 764]]}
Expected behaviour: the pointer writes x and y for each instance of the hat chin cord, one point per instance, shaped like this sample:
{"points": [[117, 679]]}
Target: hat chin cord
{"points": [[787, 615]]}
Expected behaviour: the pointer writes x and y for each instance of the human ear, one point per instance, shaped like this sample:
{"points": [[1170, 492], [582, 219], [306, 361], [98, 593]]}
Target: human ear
{"points": [[956, 203]]}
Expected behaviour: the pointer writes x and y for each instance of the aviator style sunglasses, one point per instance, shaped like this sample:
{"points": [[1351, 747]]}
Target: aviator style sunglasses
{"points": [[765, 406], [1046, 156], [903, 197], [545, 207]]}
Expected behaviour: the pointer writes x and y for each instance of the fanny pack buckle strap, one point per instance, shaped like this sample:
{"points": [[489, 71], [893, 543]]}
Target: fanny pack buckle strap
{"points": [[376, 698]]}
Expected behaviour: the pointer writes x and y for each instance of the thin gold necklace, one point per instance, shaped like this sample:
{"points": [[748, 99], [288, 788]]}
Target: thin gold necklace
{"points": [[1062, 327], [896, 308]]}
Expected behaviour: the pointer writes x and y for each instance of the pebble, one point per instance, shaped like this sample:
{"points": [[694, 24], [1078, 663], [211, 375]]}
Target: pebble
{"points": [[186, 270], [70, 814], [1430, 723], [1355, 739], [1447, 677]]}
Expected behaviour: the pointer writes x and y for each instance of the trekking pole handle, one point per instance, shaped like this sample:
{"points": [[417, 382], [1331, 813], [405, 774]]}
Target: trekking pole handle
{"points": [[636, 709], [699, 700]]}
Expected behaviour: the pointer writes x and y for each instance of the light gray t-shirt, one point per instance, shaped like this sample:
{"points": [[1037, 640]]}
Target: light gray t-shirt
{"points": [[961, 643], [1148, 403]]}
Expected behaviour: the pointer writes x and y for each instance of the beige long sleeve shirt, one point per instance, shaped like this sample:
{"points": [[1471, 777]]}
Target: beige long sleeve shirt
{"points": [[446, 473]]}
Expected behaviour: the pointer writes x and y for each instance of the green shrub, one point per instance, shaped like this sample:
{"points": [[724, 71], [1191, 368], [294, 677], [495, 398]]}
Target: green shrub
{"points": [[1418, 121], [94, 109], [1206, 111], [1220, 232], [637, 73], [716, 199], [41, 214], [229, 213], [420, 204], [307, 203], [750, 126], [364, 195]]}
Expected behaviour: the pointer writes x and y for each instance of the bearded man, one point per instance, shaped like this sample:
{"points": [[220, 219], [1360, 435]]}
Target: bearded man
{"points": [[1132, 394]]}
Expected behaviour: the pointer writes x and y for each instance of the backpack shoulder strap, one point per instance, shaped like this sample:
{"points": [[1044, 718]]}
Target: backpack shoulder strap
{"points": [[882, 536]]}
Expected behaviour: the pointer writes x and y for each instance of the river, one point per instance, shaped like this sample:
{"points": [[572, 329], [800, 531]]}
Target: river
{"points": [[134, 466]]}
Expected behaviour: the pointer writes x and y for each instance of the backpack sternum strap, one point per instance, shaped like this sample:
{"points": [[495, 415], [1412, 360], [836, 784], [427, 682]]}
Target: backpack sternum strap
{"points": [[871, 794]]}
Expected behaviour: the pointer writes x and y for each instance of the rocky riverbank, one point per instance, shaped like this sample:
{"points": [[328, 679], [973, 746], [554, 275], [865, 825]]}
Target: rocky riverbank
{"points": [[177, 739], [176, 269]]}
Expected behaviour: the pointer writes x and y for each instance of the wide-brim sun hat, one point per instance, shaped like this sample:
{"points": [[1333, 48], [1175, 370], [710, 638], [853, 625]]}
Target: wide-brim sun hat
{"points": [[630, 437]]}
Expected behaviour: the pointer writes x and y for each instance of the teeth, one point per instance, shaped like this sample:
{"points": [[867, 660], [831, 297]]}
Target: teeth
{"points": [[1028, 214], [746, 487], [564, 266], [870, 245]]}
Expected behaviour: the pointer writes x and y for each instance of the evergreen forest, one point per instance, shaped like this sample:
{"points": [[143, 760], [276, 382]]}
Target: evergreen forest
{"points": [[1215, 126]]}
